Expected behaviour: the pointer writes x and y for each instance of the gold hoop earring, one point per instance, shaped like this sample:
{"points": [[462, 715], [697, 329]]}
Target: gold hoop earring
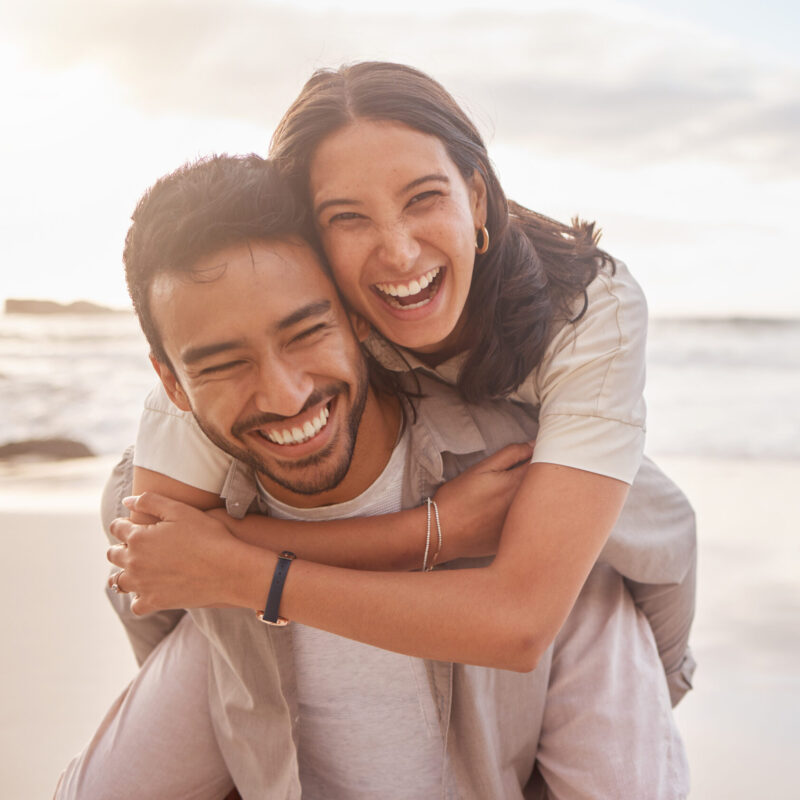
{"points": [[481, 248]]}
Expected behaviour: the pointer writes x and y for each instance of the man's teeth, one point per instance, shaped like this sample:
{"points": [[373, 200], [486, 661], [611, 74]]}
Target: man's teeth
{"points": [[410, 288], [297, 434]]}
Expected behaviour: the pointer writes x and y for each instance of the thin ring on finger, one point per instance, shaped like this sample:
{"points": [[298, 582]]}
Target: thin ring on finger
{"points": [[115, 587]]}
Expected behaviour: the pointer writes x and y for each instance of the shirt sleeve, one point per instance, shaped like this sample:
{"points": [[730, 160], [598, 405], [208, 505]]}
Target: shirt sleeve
{"points": [[170, 441], [589, 385]]}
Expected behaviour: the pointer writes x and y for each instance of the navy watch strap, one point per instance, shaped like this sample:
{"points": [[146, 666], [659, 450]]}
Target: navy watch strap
{"points": [[270, 615]]}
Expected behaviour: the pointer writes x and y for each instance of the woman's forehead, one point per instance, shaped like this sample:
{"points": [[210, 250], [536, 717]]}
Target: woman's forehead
{"points": [[355, 156]]}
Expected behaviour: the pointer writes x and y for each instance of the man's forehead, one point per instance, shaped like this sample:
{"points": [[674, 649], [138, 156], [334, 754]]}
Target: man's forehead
{"points": [[286, 265], [290, 256]]}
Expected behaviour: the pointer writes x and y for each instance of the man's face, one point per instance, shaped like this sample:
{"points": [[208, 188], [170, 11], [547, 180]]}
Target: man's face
{"points": [[265, 357]]}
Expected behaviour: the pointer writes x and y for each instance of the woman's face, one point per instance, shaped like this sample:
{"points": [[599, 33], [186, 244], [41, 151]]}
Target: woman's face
{"points": [[398, 221]]}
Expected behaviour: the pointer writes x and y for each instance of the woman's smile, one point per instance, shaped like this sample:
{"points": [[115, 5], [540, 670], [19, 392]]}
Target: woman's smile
{"points": [[415, 293]]}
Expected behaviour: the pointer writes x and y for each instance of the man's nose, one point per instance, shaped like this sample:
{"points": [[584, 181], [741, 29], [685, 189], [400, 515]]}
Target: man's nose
{"points": [[398, 247], [283, 388]]}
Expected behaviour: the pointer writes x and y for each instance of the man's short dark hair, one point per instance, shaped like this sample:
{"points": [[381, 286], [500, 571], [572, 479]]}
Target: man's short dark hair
{"points": [[199, 209], [206, 206]]}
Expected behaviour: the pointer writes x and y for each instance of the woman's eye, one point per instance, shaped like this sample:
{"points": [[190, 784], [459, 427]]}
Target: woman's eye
{"points": [[310, 332], [344, 216], [418, 198]]}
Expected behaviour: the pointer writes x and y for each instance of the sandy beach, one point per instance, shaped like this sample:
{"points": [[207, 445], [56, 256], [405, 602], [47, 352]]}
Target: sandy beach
{"points": [[68, 658]]}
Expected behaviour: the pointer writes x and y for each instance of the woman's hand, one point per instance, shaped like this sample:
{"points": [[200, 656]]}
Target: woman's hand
{"points": [[244, 529], [186, 559], [473, 506]]}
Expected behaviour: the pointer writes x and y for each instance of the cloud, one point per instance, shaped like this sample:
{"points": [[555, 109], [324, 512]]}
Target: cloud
{"points": [[619, 89]]}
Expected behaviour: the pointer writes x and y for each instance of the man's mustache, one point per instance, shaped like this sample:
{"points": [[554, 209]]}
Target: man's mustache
{"points": [[265, 418]]}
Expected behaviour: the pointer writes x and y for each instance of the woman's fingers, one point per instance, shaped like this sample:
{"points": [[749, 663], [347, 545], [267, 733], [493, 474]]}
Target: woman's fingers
{"points": [[172, 562], [140, 607], [513, 455], [118, 555], [121, 528], [119, 580]]}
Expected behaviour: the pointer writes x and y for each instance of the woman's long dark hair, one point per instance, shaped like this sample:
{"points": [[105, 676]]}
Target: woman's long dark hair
{"points": [[535, 267]]}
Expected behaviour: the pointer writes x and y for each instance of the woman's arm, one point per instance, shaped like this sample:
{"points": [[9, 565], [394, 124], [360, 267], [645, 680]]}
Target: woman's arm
{"points": [[503, 616], [472, 509], [145, 480], [507, 614]]}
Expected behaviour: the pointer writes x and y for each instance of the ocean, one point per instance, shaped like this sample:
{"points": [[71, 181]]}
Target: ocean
{"points": [[721, 388]]}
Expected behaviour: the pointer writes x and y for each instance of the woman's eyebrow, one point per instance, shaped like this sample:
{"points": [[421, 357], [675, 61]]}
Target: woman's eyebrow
{"points": [[434, 176], [336, 201]]}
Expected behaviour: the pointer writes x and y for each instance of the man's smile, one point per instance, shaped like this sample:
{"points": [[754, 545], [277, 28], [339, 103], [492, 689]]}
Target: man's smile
{"points": [[298, 429]]}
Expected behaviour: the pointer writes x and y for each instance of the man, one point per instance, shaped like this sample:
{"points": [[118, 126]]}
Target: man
{"points": [[249, 335]]}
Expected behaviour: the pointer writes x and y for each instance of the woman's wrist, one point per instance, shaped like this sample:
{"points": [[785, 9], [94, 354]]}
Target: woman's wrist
{"points": [[250, 576]]}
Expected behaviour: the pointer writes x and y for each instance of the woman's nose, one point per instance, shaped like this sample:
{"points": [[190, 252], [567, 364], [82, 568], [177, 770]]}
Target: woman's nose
{"points": [[398, 247]]}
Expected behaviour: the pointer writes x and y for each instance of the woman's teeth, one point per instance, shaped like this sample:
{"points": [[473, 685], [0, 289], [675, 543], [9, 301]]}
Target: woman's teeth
{"points": [[300, 434], [391, 291]]}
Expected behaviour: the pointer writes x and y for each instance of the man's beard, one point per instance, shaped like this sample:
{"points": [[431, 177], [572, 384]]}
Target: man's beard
{"points": [[313, 474]]}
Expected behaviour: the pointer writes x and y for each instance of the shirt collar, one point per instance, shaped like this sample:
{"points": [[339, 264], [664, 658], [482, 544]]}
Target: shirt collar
{"points": [[240, 490], [398, 359]]}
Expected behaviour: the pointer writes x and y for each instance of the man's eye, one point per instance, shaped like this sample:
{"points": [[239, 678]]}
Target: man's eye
{"points": [[310, 332], [220, 367]]}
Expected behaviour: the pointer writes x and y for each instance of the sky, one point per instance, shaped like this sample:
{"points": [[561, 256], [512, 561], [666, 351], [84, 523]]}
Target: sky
{"points": [[675, 125]]}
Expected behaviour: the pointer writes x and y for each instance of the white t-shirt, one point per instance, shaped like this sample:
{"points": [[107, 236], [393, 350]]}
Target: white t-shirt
{"points": [[588, 390], [368, 725]]}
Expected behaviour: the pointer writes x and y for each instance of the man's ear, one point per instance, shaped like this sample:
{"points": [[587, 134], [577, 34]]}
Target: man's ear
{"points": [[361, 327], [477, 189], [171, 385]]}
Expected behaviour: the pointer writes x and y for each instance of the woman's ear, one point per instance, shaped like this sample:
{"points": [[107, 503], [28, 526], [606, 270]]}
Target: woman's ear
{"points": [[171, 385], [478, 193], [361, 327]]}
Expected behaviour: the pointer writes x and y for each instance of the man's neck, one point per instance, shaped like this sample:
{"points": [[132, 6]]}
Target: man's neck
{"points": [[378, 432]]}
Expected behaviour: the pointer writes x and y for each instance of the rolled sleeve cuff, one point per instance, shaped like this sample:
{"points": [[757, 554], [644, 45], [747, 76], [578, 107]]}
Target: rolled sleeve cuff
{"points": [[171, 442], [594, 444]]}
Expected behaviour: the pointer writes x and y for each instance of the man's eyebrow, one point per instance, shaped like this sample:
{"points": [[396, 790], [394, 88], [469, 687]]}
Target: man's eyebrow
{"points": [[314, 309], [345, 201], [194, 354]]}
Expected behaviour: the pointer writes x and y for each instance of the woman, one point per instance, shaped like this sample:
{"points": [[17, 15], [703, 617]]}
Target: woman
{"points": [[501, 302]]}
